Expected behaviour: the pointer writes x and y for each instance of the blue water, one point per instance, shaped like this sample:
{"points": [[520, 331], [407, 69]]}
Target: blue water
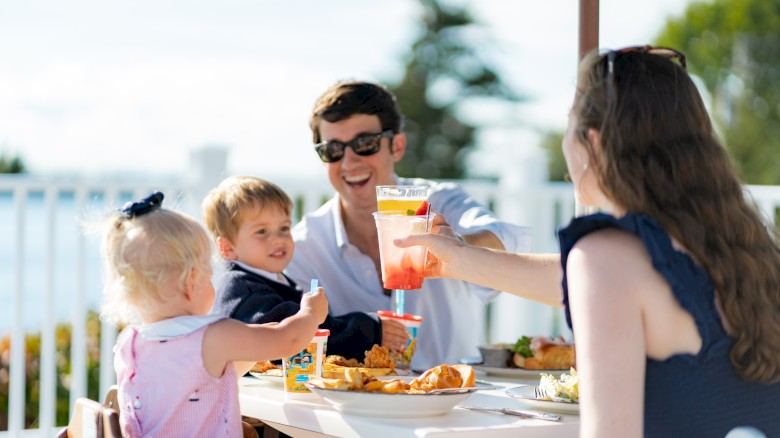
{"points": [[67, 230]]}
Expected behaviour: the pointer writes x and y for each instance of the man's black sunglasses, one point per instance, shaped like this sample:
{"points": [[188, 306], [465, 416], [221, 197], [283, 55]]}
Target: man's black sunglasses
{"points": [[364, 145]]}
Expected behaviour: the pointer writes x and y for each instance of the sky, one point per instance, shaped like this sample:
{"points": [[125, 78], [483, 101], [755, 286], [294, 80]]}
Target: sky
{"points": [[95, 87]]}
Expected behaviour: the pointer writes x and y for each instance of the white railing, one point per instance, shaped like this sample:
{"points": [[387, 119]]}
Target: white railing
{"points": [[39, 203]]}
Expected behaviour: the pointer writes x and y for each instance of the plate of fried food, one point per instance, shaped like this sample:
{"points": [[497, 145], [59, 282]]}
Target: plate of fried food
{"points": [[435, 392], [268, 371], [528, 357], [378, 362]]}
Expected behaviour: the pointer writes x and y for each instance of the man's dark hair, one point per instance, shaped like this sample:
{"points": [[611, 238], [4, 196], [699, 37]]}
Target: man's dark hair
{"points": [[347, 98]]}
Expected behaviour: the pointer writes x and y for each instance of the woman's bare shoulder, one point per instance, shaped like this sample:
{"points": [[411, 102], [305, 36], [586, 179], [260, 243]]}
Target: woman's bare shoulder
{"points": [[610, 249], [614, 261]]}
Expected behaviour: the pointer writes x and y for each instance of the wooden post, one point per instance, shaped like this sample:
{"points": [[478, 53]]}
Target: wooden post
{"points": [[589, 26], [589, 40]]}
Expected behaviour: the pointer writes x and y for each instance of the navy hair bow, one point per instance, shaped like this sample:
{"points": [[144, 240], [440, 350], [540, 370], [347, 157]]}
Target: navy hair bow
{"points": [[144, 206]]}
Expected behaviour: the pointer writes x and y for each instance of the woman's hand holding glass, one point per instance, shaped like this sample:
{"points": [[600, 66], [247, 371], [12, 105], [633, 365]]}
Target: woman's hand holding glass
{"points": [[442, 243]]}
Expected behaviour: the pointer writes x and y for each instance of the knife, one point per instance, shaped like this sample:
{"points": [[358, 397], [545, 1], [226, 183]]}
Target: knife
{"points": [[518, 412]]}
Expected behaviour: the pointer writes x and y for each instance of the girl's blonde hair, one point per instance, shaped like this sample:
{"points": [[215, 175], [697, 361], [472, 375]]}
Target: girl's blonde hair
{"points": [[144, 254]]}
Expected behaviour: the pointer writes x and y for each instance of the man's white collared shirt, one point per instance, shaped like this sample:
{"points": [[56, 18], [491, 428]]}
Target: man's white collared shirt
{"points": [[453, 311]]}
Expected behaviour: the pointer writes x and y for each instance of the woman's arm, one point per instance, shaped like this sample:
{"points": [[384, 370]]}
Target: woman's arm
{"points": [[536, 277], [484, 239], [606, 273]]}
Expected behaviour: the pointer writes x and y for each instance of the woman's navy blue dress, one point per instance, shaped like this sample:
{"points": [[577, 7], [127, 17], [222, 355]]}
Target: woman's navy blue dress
{"points": [[686, 395]]}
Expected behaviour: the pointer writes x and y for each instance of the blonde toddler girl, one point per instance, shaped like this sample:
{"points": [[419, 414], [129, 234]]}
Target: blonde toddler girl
{"points": [[176, 365]]}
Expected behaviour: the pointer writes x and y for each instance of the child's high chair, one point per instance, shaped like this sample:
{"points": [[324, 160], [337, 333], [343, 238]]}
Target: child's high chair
{"points": [[90, 419]]}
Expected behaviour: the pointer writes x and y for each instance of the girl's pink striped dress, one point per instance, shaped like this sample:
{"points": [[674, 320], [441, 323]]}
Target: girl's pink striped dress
{"points": [[163, 387]]}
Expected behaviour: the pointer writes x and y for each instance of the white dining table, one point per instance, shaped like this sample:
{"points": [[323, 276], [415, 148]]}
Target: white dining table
{"points": [[265, 400]]}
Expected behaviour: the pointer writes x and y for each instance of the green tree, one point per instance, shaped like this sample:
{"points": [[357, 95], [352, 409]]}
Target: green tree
{"points": [[556, 166], [9, 164], [442, 71], [734, 47]]}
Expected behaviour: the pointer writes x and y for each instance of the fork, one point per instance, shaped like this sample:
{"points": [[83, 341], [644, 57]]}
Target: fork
{"points": [[540, 394]]}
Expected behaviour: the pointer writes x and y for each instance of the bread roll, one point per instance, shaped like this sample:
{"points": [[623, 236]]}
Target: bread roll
{"points": [[551, 357]]}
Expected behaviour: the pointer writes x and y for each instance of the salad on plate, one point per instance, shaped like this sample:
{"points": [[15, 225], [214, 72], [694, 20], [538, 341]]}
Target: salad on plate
{"points": [[566, 389]]}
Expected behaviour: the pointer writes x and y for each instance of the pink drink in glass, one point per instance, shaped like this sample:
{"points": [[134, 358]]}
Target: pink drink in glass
{"points": [[402, 268]]}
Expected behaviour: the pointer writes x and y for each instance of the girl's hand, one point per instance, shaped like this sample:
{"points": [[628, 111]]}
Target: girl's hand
{"points": [[317, 302], [394, 334]]}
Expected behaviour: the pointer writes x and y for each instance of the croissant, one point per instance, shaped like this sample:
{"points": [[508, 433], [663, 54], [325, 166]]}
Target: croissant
{"points": [[440, 377], [467, 374]]}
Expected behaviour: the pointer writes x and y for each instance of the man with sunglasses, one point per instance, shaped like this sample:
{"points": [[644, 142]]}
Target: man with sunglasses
{"points": [[356, 129]]}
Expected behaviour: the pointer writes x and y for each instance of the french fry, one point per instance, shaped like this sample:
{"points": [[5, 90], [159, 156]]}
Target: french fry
{"points": [[338, 371], [376, 385], [354, 377], [394, 386], [324, 383]]}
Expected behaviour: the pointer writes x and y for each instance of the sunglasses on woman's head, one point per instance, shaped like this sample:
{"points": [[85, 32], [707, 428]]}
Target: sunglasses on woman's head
{"points": [[363, 145], [663, 52]]}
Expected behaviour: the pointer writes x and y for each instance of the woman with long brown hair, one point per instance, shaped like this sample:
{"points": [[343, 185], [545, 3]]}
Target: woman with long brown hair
{"points": [[673, 290]]}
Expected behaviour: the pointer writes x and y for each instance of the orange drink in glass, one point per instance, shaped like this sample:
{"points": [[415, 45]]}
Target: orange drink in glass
{"points": [[402, 199]]}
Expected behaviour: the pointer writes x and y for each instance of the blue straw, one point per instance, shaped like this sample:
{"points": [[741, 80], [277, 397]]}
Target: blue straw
{"points": [[398, 301], [314, 283]]}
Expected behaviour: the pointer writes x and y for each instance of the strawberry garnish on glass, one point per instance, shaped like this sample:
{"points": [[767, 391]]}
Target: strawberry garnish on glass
{"points": [[423, 209]]}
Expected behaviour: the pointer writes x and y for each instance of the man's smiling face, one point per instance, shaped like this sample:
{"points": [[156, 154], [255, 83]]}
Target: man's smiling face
{"points": [[355, 177]]}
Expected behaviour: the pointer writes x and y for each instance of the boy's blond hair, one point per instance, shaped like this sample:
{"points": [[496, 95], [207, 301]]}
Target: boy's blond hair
{"points": [[225, 205], [143, 255]]}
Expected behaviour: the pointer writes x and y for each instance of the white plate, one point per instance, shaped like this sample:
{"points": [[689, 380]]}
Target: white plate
{"points": [[378, 404], [526, 395], [516, 372], [268, 377]]}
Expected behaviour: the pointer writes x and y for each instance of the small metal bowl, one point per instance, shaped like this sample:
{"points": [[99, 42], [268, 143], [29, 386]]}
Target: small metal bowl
{"points": [[496, 356]]}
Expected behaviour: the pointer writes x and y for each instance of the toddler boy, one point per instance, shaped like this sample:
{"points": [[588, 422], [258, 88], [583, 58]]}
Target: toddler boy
{"points": [[249, 219]]}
